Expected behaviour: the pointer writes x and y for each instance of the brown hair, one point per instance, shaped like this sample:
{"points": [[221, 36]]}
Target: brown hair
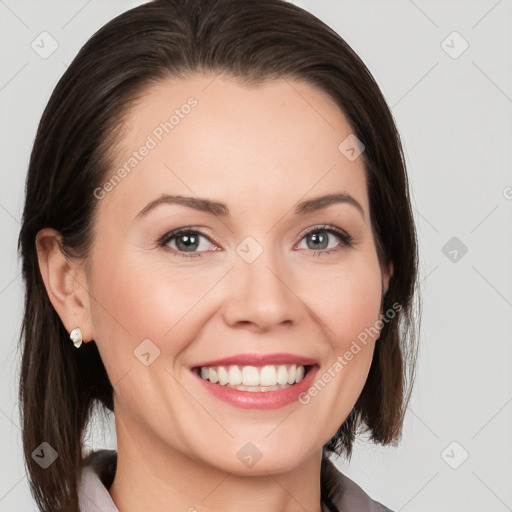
{"points": [[250, 41]]}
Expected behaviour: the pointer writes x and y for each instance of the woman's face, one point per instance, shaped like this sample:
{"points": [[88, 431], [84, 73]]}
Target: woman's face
{"points": [[247, 280]]}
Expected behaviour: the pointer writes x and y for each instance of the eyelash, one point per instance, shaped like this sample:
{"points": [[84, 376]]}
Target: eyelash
{"points": [[346, 240]]}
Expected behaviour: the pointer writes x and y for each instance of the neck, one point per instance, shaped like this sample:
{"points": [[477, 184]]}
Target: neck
{"points": [[154, 477]]}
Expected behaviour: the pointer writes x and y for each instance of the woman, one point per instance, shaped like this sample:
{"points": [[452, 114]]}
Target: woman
{"points": [[218, 246]]}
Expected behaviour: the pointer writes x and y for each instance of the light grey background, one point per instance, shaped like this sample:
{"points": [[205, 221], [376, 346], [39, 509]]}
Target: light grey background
{"points": [[454, 116]]}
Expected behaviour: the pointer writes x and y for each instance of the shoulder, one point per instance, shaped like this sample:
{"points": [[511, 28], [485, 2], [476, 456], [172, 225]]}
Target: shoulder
{"points": [[345, 494], [355, 498], [97, 474]]}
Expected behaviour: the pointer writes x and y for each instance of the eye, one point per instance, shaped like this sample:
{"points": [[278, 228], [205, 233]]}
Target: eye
{"points": [[186, 240], [189, 243], [318, 239]]}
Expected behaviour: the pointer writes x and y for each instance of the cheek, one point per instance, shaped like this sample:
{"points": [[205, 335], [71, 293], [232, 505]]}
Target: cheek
{"points": [[138, 296], [347, 305], [348, 300], [140, 300]]}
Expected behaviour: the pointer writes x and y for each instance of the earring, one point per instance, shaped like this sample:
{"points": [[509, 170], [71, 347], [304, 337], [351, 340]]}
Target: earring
{"points": [[76, 337]]}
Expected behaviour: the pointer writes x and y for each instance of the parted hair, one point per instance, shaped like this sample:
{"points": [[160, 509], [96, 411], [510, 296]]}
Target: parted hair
{"points": [[251, 41]]}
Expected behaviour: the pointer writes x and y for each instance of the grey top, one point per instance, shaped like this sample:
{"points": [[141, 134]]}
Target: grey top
{"points": [[339, 493]]}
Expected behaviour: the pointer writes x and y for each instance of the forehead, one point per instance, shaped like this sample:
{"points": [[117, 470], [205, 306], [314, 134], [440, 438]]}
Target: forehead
{"points": [[273, 143]]}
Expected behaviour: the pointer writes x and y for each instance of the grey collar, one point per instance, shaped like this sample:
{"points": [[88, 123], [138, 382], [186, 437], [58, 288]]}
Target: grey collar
{"points": [[339, 493]]}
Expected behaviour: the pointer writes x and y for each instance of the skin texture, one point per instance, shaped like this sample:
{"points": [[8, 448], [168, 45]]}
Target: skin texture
{"points": [[260, 150]]}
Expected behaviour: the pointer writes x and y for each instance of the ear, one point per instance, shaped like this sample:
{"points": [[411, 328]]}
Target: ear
{"points": [[66, 283]]}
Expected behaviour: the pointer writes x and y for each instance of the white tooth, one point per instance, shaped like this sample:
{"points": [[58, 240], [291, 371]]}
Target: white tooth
{"points": [[250, 376], [268, 376], [300, 374], [292, 372], [223, 375], [282, 374], [235, 375], [212, 375]]}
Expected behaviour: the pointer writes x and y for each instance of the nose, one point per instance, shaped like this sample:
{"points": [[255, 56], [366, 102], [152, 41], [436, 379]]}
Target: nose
{"points": [[260, 295]]}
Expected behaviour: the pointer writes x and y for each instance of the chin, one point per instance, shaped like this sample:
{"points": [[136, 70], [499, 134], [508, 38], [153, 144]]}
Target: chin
{"points": [[257, 459]]}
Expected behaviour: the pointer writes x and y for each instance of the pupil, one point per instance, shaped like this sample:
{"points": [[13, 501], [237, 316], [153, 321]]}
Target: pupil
{"points": [[187, 242], [320, 238]]}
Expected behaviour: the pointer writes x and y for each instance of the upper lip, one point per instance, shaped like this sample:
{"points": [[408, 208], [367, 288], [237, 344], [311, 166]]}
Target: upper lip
{"points": [[259, 360]]}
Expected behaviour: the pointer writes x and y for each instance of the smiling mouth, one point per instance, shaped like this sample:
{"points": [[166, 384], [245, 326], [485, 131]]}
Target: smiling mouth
{"points": [[254, 378]]}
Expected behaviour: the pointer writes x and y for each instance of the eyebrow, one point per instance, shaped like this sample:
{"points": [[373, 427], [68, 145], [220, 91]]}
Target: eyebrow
{"points": [[221, 210]]}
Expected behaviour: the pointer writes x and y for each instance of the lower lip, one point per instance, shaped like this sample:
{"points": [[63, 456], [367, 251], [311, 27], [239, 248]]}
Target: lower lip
{"points": [[260, 399]]}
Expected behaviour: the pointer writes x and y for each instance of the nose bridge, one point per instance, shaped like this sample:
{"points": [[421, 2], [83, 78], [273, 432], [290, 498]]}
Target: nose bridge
{"points": [[260, 292]]}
